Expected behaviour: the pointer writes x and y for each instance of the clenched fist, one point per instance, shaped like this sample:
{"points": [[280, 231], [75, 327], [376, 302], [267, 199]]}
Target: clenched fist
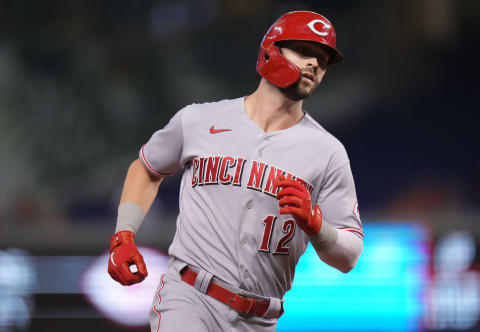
{"points": [[295, 199], [123, 254]]}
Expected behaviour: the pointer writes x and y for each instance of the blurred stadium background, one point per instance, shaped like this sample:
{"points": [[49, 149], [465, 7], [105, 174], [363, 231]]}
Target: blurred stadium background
{"points": [[83, 84]]}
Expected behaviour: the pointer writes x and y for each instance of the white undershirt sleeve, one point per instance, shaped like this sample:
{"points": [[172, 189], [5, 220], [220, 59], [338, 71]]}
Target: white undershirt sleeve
{"points": [[342, 255]]}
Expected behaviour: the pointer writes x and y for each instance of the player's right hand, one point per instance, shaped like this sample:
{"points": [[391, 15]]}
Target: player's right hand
{"points": [[123, 254]]}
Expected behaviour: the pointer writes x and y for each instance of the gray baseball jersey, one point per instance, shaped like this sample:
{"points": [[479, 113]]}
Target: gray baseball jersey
{"points": [[229, 223]]}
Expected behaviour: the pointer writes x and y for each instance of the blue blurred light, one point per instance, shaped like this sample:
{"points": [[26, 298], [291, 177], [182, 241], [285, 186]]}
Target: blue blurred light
{"points": [[384, 292]]}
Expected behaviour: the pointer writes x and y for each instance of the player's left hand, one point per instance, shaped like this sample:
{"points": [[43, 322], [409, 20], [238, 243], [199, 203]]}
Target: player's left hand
{"points": [[123, 253], [295, 199]]}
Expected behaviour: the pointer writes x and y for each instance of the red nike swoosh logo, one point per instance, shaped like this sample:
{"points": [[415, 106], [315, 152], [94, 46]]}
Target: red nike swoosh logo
{"points": [[216, 131]]}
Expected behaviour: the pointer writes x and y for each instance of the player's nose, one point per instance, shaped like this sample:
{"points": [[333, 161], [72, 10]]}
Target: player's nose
{"points": [[311, 62]]}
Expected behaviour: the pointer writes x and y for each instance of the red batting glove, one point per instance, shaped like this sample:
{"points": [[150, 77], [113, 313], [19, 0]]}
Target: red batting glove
{"points": [[295, 199], [124, 253]]}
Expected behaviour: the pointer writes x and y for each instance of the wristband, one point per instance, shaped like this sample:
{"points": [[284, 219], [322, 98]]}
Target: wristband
{"points": [[325, 238], [130, 217]]}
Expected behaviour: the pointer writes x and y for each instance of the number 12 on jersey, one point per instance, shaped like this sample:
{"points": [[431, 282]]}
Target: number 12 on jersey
{"points": [[288, 228]]}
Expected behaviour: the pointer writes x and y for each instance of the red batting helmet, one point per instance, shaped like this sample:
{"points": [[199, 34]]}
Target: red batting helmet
{"points": [[298, 25]]}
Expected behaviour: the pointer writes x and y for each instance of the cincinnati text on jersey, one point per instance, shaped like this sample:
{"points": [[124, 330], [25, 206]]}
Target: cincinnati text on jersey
{"points": [[229, 170]]}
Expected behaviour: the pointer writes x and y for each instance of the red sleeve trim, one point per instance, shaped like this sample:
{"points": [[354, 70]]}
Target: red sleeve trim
{"points": [[149, 167], [353, 230]]}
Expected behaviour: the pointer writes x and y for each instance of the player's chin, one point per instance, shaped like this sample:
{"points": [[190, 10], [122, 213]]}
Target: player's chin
{"points": [[306, 88], [304, 93], [298, 91]]}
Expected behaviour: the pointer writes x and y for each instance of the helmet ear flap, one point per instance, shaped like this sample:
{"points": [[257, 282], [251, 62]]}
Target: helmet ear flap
{"points": [[275, 68]]}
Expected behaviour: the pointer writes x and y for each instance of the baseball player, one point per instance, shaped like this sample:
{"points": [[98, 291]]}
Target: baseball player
{"points": [[261, 179]]}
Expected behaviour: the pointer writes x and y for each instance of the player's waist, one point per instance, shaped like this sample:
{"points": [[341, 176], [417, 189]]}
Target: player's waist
{"points": [[238, 299], [258, 284]]}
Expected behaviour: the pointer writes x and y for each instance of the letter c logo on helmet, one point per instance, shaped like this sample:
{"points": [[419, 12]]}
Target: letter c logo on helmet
{"points": [[311, 25], [298, 25]]}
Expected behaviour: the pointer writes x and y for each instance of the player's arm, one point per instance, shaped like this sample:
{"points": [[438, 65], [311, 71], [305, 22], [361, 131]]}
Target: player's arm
{"points": [[159, 157], [139, 190], [140, 186], [342, 254]]}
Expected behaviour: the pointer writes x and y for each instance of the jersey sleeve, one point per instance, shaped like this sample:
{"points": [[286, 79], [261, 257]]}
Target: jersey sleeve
{"points": [[337, 198], [162, 153]]}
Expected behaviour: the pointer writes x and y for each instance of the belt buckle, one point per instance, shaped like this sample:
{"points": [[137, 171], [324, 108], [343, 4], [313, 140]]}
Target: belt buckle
{"points": [[243, 297]]}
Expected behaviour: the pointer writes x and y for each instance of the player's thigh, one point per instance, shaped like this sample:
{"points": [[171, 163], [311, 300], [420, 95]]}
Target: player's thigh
{"points": [[178, 320], [254, 324], [176, 309]]}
